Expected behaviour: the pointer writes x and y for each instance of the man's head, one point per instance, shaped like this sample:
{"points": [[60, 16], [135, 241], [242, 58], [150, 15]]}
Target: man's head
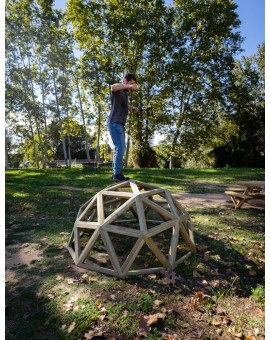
{"points": [[129, 78]]}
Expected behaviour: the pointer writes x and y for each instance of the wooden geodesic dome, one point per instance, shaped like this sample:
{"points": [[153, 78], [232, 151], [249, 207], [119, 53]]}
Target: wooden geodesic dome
{"points": [[131, 228]]}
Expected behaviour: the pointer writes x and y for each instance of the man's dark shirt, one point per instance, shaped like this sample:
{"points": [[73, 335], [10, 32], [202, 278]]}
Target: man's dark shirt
{"points": [[119, 107]]}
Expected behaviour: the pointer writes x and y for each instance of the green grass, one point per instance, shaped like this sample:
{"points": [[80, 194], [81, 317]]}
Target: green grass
{"points": [[39, 214], [258, 294]]}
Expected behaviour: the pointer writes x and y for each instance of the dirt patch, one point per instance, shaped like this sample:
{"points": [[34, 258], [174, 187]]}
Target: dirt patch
{"points": [[66, 187], [22, 254], [19, 255], [214, 200], [198, 200]]}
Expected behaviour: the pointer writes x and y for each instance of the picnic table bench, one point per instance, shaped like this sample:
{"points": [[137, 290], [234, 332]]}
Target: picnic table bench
{"points": [[58, 163], [53, 165], [95, 165], [253, 190]]}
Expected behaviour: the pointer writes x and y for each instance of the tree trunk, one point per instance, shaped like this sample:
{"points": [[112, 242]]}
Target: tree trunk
{"points": [[59, 118], [83, 119], [45, 149], [178, 125], [6, 151], [33, 140], [98, 136], [31, 86]]}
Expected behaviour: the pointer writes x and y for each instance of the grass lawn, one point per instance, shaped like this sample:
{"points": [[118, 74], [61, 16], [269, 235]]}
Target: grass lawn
{"points": [[218, 293]]}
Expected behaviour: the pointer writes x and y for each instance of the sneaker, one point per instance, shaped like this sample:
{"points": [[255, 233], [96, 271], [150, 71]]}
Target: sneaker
{"points": [[120, 178]]}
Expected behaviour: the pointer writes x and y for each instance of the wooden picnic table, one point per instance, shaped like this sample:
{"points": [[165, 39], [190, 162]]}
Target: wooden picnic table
{"points": [[251, 190], [252, 186]]}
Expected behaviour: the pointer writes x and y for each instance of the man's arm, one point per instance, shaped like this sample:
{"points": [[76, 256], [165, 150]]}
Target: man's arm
{"points": [[118, 87]]}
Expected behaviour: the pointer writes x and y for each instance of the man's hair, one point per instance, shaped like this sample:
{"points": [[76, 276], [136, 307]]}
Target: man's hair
{"points": [[130, 76]]}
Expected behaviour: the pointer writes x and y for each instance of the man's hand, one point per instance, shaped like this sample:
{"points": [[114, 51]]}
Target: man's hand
{"points": [[133, 88], [133, 109]]}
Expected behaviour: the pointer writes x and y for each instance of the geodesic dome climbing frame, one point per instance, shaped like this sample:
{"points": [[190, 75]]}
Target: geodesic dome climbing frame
{"points": [[131, 228]]}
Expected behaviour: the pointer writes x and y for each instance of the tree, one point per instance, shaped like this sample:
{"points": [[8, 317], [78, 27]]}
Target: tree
{"points": [[117, 37], [200, 61], [247, 111]]}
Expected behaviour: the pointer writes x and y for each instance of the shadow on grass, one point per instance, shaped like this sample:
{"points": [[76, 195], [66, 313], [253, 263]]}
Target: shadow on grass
{"points": [[35, 296], [34, 305]]}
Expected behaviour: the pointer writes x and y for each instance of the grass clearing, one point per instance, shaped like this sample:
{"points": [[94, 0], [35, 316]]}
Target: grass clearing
{"points": [[217, 292]]}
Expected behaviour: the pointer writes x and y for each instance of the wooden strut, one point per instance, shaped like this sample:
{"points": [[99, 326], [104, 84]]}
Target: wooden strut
{"points": [[137, 199]]}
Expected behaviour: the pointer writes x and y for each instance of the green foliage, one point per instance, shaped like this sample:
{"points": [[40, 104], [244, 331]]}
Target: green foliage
{"points": [[183, 57], [244, 145], [145, 302], [258, 294]]}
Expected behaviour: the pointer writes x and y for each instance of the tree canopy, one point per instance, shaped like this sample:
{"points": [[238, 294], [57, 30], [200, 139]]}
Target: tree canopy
{"points": [[60, 65]]}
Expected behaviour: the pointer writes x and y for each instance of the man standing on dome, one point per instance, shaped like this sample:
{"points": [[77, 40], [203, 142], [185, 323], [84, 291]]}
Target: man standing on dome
{"points": [[117, 120]]}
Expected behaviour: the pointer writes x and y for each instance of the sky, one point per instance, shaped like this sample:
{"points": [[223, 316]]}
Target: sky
{"points": [[252, 16]]}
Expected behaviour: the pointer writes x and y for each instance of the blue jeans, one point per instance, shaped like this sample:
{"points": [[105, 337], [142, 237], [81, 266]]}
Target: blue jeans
{"points": [[117, 132]]}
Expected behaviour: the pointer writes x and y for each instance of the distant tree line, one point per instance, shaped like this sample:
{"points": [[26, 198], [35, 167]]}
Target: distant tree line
{"points": [[208, 105]]}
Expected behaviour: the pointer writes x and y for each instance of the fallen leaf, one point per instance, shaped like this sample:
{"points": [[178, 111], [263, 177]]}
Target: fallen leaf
{"points": [[92, 279], [216, 321], [154, 318], [102, 317], [256, 331], [103, 310], [93, 333], [167, 280], [252, 272], [157, 303], [143, 327], [51, 295], [70, 280], [226, 320], [71, 327], [69, 306], [125, 312], [194, 302], [202, 267], [168, 337], [233, 331], [199, 294], [260, 312], [59, 277], [84, 278]]}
